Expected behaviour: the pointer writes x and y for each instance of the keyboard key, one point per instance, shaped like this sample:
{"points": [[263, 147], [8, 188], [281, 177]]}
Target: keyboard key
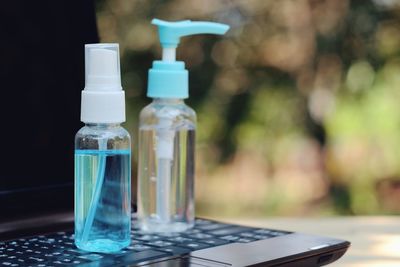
{"points": [[66, 260], [180, 239], [56, 253], [261, 237], [76, 252], [230, 230], [103, 262], [135, 242], [147, 237], [141, 256], [175, 250], [91, 257], [245, 240], [34, 260], [194, 245], [230, 237], [192, 231], [78, 261], [262, 231], [57, 263], [159, 243], [121, 252], [247, 234], [200, 236], [213, 226], [215, 241], [37, 259], [69, 244], [202, 222], [270, 232], [81, 264], [168, 235], [49, 256], [138, 247], [279, 233]]}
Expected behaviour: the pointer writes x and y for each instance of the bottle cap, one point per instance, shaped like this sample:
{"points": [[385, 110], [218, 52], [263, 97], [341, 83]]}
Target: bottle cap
{"points": [[103, 100]]}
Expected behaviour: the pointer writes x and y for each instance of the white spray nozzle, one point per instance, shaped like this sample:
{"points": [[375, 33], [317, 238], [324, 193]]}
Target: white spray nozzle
{"points": [[103, 100], [102, 67]]}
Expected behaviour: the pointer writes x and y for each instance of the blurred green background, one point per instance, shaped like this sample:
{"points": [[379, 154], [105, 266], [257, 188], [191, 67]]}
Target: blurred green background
{"points": [[298, 105]]}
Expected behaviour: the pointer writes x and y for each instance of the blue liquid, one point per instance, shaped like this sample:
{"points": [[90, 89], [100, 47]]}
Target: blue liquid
{"points": [[102, 222]]}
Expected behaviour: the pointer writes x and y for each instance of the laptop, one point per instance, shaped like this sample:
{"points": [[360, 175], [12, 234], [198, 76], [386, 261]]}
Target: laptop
{"points": [[42, 77], [47, 240]]}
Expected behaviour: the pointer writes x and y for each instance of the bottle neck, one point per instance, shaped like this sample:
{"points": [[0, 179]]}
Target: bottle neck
{"points": [[103, 125], [168, 101]]}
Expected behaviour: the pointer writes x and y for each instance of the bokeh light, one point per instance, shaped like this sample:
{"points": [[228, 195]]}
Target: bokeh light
{"points": [[297, 106]]}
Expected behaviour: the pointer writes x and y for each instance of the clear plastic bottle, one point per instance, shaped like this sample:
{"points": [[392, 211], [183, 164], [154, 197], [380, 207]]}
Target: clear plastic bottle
{"points": [[166, 183], [167, 136], [102, 187], [102, 156]]}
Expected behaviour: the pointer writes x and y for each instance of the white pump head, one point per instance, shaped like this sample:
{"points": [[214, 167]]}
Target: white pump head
{"points": [[103, 100]]}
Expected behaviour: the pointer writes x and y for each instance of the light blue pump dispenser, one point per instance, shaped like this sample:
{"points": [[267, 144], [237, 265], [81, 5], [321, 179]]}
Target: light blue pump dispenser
{"points": [[168, 78], [167, 136]]}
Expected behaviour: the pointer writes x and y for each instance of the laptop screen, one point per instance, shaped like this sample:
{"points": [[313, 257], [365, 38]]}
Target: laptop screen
{"points": [[42, 75]]}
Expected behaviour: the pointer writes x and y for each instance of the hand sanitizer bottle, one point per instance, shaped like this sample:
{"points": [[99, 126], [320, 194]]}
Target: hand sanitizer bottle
{"points": [[167, 136], [102, 156]]}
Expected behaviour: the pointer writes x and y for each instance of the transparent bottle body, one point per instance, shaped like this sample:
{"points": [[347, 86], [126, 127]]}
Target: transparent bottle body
{"points": [[102, 188], [166, 183]]}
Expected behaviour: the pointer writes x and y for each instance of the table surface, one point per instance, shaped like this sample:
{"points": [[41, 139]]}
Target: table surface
{"points": [[375, 241]]}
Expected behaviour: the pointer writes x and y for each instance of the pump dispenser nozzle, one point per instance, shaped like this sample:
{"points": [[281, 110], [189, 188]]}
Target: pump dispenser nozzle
{"points": [[168, 78], [171, 32]]}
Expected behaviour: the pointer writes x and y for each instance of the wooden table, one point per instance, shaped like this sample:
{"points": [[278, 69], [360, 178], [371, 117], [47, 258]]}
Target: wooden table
{"points": [[375, 241]]}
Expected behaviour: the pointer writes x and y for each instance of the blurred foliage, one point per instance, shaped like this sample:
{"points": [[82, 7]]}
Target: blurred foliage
{"points": [[297, 106]]}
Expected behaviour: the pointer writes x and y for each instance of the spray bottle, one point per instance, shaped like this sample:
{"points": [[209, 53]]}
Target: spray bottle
{"points": [[102, 156], [167, 136]]}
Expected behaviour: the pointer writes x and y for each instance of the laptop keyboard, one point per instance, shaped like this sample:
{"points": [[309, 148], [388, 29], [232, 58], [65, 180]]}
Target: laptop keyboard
{"points": [[58, 249]]}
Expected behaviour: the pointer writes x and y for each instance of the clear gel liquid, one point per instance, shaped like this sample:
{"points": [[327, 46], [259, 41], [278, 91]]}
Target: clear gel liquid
{"points": [[108, 229], [180, 196]]}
